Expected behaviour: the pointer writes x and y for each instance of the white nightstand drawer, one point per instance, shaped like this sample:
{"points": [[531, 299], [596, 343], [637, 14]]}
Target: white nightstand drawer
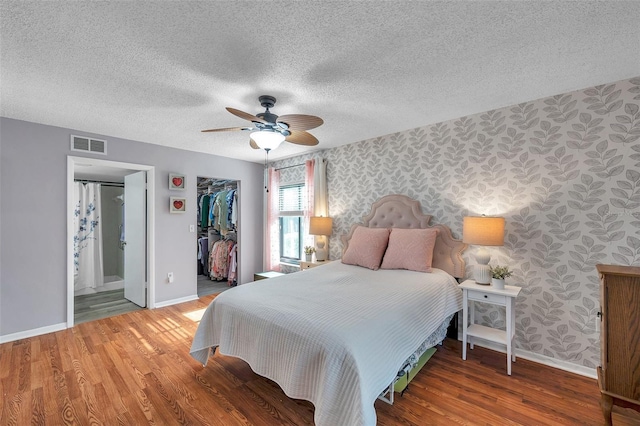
{"points": [[306, 265], [480, 296]]}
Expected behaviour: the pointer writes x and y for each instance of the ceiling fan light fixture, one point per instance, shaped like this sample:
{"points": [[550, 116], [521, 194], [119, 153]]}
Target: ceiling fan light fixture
{"points": [[268, 139]]}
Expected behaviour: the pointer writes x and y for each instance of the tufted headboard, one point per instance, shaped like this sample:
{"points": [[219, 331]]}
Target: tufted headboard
{"points": [[400, 211]]}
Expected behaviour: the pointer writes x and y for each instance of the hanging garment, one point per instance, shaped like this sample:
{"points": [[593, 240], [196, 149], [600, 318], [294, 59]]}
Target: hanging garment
{"points": [[203, 252], [233, 265], [219, 260], [204, 211], [220, 211], [234, 210], [213, 213], [230, 195]]}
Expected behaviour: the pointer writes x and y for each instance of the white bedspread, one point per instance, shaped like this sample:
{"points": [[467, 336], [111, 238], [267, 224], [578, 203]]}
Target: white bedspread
{"points": [[334, 335]]}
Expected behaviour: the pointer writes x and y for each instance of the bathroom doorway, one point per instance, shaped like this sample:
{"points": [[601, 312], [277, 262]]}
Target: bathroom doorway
{"points": [[109, 267]]}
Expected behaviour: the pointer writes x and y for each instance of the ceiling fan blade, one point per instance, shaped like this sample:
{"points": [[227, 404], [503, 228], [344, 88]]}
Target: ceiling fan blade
{"points": [[226, 129], [253, 144], [245, 115], [302, 138], [300, 121]]}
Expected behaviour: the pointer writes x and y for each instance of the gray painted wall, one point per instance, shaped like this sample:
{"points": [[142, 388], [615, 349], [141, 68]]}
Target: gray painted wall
{"points": [[33, 208], [565, 173]]}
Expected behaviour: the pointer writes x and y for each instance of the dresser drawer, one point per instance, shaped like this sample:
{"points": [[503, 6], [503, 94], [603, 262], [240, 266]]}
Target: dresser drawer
{"points": [[487, 297]]}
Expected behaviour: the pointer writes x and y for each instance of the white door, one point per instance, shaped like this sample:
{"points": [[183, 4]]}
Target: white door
{"points": [[135, 259]]}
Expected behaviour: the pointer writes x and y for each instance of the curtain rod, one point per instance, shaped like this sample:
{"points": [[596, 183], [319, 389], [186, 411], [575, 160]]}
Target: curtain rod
{"points": [[100, 182], [297, 165], [289, 167]]}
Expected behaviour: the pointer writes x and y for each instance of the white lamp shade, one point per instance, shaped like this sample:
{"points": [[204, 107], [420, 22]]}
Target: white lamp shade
{"points": [[319, 225], [268, 139], [483, 230]]}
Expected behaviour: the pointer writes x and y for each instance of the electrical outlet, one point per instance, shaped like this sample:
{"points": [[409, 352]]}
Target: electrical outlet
{"points": [[192, 228], [170, 277]]}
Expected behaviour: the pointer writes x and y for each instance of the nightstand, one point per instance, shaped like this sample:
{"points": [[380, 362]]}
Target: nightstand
{"points": [[306, 265], [472, 293], [266, 275]]}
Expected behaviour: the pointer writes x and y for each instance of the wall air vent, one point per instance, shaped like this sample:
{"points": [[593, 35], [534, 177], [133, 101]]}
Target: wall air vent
{"points": [[85, 144]]}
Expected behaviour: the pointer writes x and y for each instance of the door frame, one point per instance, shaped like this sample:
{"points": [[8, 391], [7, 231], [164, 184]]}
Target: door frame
{"points": [[238, 183], [72, 161]]}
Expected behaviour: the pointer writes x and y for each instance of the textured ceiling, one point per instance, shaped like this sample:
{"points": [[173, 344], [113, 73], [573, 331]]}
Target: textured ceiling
{"points": [[159, 72]]}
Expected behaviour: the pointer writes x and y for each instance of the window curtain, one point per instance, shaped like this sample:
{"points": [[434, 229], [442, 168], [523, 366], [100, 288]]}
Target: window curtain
{"points": [[87, 241], [309, 209], [272, 240], [321, 204]]}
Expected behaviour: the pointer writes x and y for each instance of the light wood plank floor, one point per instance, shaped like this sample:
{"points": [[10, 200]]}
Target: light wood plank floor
{"points": [[90, 307], [135, 369]]}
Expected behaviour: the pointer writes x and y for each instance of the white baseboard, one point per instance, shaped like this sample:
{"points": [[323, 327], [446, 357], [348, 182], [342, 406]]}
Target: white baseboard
{"points": [[175, 301], [63, 326], [33, 332], [540, 359]]}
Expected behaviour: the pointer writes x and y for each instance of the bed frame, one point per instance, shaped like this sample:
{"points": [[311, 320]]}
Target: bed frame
{"points": [[400, 211]]}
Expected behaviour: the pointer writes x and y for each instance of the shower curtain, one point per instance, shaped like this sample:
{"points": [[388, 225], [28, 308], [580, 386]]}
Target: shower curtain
{"points": [[87, 241]]}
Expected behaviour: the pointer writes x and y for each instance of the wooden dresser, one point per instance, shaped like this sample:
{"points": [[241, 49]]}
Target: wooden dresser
{"points": [[619, 373]]}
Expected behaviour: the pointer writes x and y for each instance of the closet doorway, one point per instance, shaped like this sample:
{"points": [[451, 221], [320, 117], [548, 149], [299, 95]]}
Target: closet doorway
{"points": [[218, 225], [109, 234]]}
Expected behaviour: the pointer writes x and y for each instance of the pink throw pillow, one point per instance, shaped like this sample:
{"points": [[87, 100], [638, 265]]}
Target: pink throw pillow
{"points": [[410, 249], [366, 247]]}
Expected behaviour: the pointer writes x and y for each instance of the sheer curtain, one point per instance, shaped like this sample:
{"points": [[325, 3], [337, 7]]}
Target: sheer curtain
{"points": [[315, 181], [272, 240], [87, 241], [321, 204], [309, 167]]}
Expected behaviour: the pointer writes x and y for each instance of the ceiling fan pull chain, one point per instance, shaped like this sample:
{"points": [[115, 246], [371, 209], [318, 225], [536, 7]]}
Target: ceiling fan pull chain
{"points": [[266, 168]]}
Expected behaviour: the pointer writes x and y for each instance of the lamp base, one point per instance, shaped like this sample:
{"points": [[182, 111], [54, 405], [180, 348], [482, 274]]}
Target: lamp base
{"points": [[321, 255], [482, 273], [321, 252]]}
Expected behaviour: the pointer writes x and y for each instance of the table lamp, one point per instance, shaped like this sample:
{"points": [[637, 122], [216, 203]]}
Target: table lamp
{"points": [[321, 226], [483, 231]]}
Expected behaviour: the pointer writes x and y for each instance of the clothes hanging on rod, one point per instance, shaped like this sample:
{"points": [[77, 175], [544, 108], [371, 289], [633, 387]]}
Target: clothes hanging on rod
{"points": [[218, 210], [217, 218], [223, 261]]}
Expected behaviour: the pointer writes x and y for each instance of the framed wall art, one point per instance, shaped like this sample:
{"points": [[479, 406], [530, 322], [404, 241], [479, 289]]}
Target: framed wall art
{"points": [[177, 204], [176, 181]]}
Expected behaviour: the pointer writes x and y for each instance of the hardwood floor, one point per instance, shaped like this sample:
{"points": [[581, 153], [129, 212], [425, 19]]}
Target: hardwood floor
{"points": [[135, 369]]}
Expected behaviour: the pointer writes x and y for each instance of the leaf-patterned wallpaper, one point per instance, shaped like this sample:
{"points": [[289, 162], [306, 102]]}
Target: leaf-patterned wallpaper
{"points": [[565, 173]]}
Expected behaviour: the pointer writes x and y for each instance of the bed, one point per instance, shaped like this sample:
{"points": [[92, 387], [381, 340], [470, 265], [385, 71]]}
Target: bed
{"points": [[339, 335]]}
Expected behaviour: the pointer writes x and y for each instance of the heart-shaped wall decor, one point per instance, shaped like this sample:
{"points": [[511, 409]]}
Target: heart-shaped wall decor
{"points": [[177, 181], [178, 204]]}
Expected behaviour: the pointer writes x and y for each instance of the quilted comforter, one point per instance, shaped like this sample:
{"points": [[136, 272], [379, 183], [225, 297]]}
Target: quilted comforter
{"points": [[334, 335]]}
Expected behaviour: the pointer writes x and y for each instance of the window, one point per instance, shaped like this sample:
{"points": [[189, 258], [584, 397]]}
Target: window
{"points": [[291, 202]]}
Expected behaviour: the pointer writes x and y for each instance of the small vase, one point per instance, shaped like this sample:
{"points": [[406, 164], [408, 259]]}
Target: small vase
{"points": [[497, 283], [308, 257]]}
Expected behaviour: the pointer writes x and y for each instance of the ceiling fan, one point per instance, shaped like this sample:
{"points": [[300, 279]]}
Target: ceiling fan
{"points": [[270, 130]]}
